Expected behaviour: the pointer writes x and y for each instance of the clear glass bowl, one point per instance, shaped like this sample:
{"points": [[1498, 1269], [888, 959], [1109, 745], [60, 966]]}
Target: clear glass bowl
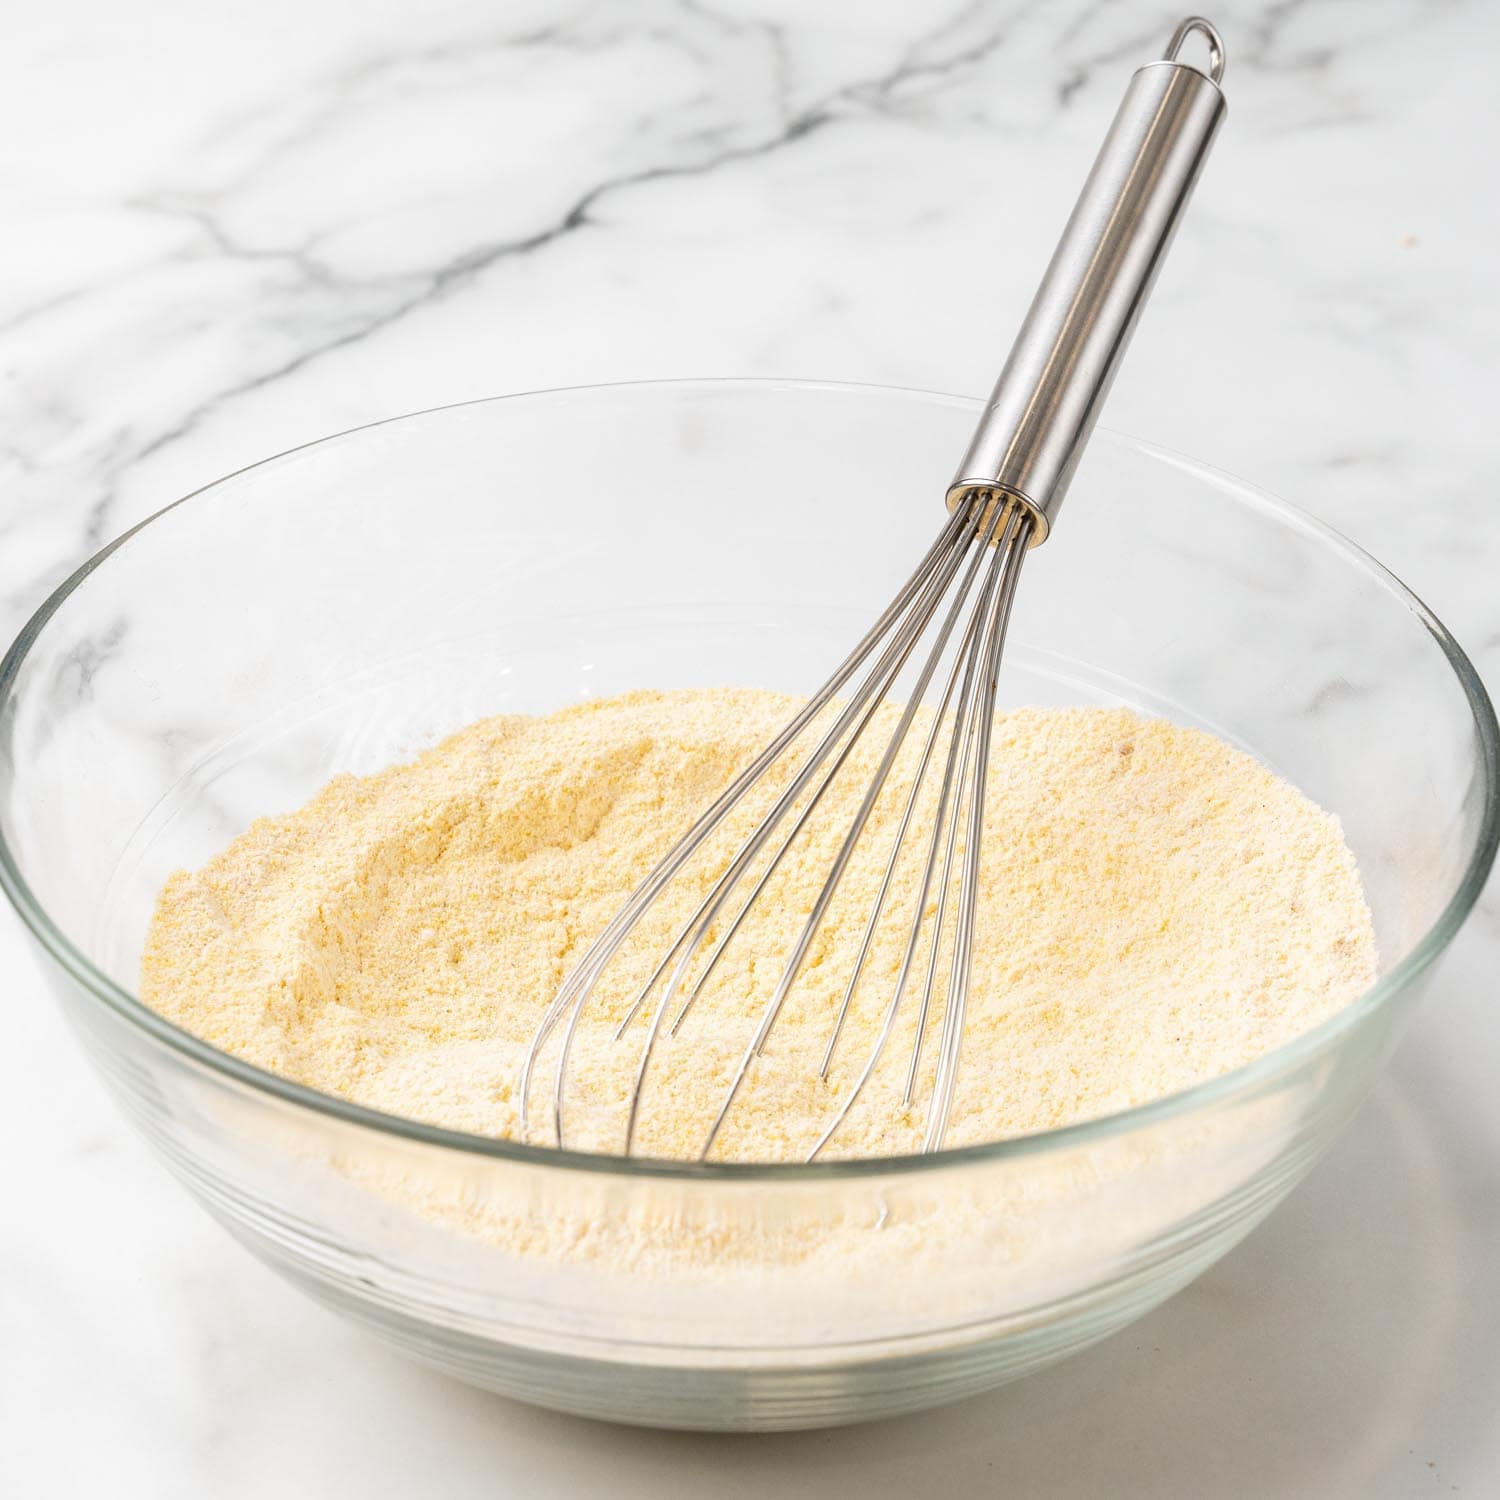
{"points": [[340, 606]]}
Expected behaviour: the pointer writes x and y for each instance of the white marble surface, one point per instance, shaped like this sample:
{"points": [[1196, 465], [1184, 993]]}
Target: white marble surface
{"points": [[231, 230]]}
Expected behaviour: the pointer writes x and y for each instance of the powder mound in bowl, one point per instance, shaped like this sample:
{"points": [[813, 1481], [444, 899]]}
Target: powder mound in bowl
{"points": [[1156, 907]]}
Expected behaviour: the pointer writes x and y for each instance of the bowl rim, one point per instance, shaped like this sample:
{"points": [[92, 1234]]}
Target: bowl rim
{"points": [[1244, 1079]]}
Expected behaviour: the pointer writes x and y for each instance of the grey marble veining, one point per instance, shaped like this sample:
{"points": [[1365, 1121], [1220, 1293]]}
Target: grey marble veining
{"points": [[229, 232]]}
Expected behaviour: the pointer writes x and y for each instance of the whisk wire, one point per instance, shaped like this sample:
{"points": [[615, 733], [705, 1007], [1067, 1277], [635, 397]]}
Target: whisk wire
{"points": [[1001, 532], [941, 1106], [897, 843], [857, 825], [576, 987], [863, 706], [921, 612], [1007, 558]]}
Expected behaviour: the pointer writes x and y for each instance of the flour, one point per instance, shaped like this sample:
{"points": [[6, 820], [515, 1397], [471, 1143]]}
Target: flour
{"points": [[1155, 908]]}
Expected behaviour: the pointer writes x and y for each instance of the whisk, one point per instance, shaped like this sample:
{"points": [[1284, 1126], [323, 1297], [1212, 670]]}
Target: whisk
{"points": [[1002, 502]]}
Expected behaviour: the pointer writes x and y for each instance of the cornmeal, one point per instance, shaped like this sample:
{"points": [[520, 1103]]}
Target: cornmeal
{"points": [[1155, 907]]}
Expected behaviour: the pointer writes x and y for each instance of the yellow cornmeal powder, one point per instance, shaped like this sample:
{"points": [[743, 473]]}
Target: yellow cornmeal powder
{"points": [[1155, 907]]}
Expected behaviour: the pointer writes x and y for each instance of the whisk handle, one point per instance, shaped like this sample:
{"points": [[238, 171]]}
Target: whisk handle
{"points": [[1044, 406]]}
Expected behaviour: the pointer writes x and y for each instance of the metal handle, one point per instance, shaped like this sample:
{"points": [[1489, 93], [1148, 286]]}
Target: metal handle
{"points": [[1048, 397]]}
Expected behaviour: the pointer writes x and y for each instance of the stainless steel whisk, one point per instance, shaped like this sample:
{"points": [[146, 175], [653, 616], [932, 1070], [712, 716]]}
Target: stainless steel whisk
{"points": [[1003, 501]]}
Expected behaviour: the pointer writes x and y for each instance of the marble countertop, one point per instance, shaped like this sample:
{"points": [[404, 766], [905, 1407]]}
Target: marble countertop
{"points": [[234, 229]]}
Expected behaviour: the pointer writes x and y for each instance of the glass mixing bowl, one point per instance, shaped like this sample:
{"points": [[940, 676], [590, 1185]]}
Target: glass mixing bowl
{"points": [[340, 606]]}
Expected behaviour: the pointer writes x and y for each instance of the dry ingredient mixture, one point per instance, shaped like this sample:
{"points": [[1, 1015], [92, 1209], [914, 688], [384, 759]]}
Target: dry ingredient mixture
{"points": [[1155, 908]]}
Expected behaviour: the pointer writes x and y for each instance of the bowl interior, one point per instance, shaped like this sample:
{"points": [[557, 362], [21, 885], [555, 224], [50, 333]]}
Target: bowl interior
{"points": [[344, 605]]}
